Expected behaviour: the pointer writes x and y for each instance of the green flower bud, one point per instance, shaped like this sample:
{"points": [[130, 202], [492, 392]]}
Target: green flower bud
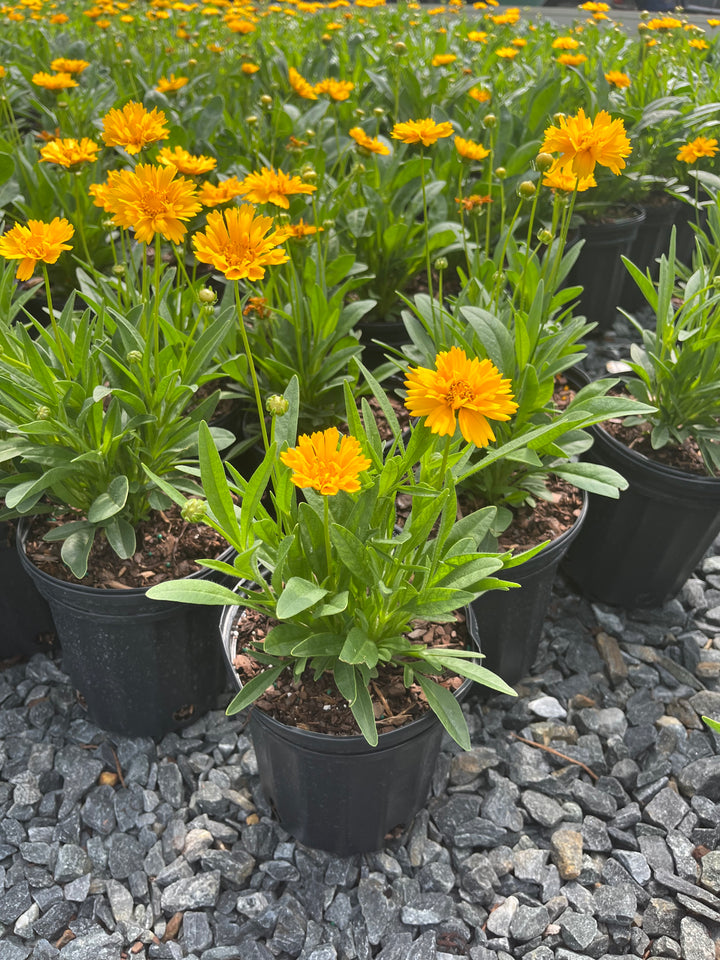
{"points": [[441, 263], [544, 236], [716, 282], [134, 356], [266, 100], [543, 162], [310, 133], [119, 269], [326, 39], [277, 405], [194, 510], [527, 190], [557, 117], [43, 412], [328, 224], [378, 112], [308, 173], [359, 112], [206, 295], [399, 47], [251, 120], [490, 120], [500, 173]]}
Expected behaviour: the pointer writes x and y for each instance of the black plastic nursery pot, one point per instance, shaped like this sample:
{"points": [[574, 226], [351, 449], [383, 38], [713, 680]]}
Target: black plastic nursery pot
{"points": [[339, 794], [510, 623], [639, 550], [599, 269], [142, 667], [390, 332], [26, 624]]}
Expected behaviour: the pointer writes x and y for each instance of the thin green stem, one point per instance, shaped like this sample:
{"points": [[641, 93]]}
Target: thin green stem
{"points": [[56, 330], [427, 234], [326, 525], [156, 306], [251, 367]]}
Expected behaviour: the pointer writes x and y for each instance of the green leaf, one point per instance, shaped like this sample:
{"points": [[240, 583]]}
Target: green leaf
{"points": [[194, 591], [215, 486], [254, 689], [713, 724], [110, 502], [299, 594], [359, 648], [362, 710], [447, 710], [353, 554], [76, 550], [121, 537], [335, 604], [283, 637], [318, 645]]}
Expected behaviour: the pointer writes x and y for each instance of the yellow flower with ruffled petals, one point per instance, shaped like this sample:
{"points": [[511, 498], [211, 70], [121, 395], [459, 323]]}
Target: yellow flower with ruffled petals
{"points": [[237, 243], [273, 186], [152, 201], [185, 162], [699, 147], [470, 150], [133, 127], [36, 242], [427, 132], [366, 142], [69, 152], [319, 463], [583, 142]]}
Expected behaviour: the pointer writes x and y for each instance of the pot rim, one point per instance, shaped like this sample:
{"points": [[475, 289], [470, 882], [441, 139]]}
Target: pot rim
{"points": [[23, 529], [356, 743]]}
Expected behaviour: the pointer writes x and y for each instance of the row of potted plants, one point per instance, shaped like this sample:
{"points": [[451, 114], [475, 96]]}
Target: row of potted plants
{"points": [[344, 548]]}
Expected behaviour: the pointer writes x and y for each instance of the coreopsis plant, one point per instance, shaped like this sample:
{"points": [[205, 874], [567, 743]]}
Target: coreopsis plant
{"points": [[676, 365]]}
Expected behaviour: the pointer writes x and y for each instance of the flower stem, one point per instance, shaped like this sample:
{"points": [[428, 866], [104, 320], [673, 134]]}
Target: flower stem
{"points": [[251, 367], [427, 234], [56, 329], [326, 525]]}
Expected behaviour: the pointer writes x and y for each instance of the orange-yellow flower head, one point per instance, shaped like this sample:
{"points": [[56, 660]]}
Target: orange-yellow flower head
{"points": [[151, 200], [170, 84], [365, 142], [699, 147], [565, 180], [481, 94], [571, 59], [318, 462], [443, 59], [583, 142], [273, 186], [69, 153], [237, 243], [565, 43], [212, 195], [616, 78], [460, 391], [37, 242], [470, 150], [427, 132], [133, 127], [300, 85], [62, 65], [54, 81], [506, 53], [335, 89], [186, 163]]}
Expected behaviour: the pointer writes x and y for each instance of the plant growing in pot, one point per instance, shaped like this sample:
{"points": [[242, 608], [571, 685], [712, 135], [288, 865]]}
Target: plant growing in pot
{"points": [[85, 405], [640, 550], [342, 579]]}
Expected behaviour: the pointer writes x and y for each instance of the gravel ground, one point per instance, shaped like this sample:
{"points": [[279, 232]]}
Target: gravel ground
{"points": [[598, 840]]}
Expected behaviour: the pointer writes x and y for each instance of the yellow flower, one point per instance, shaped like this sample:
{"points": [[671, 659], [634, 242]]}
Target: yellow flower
{"points": [[511, 16], [442, 59], [507, 53], [186, 163], [365, 142], [318, 462], [273, 186], [59, 18], [470, 150], [3, 71], [593, 7], [426, 132], [54, 81], [300, 85], [699, 44], [69, 152], [170, 84], [480, 94], [235, 243], [241, 26], [337, 89], [460, 390], [37, 242], [664, 23], [519, 42], [211, 195], [571, 59], [478, 36], [699, 147], [301, 229], [473, 201], [249, 68], [133, 127], [61, 65], [150, 200], [565, 43], [584, 142], [714, 22], [563, 178], [616, 78]]}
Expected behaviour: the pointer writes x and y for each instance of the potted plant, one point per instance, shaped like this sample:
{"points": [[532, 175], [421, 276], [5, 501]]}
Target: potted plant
{"points": [[86, 404], [640, 550]]}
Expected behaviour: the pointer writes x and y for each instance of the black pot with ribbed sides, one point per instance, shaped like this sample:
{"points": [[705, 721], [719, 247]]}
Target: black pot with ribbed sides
{"points": [[340, 794], [510, 622], [639, 550], [142, 667], [26, 625]]}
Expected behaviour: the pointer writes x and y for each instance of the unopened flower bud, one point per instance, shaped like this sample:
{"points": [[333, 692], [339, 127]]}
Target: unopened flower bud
{"points": [[441, 263], [500, 173], [276, 405], [490, 120], [527, 190], [399, 47], [544, 236], [359, 112], [328, 224], [310, 133], [326, 38], [194, 510], [716, 282], [192, 62], [308, 173], [43, 413], [557, 117], [134, 356], [543, 162], [251, 120], [378, 112], [359, 168], [127, 63], [207, 295], [119, 269], [266, 100]]}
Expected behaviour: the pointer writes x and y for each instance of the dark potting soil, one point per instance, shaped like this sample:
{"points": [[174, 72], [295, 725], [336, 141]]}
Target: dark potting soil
{"points": [[547, 520], [317, 704], [686, 457], [168, 548]]}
